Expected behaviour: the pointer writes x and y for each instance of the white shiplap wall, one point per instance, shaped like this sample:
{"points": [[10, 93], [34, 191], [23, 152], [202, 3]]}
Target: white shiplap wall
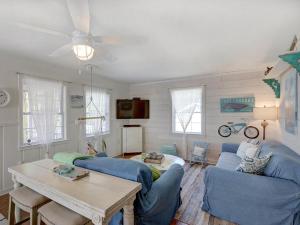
{"points": [[157, 130]]}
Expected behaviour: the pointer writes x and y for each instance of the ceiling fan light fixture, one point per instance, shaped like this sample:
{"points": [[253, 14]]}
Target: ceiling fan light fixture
{"points": [[83, 52]]}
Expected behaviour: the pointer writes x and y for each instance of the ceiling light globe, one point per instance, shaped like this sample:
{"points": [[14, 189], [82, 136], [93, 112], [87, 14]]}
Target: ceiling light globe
{"points": [[83, 52]]}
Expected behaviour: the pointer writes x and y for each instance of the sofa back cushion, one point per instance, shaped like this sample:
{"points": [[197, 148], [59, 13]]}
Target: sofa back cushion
{"points": [[283, 166], [228, 161], [277, 149], [127, 169]]}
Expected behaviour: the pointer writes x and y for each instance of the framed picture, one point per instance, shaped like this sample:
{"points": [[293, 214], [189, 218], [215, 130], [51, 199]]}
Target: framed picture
{"points": [[76, 101], [290, 102], [237, 105]]}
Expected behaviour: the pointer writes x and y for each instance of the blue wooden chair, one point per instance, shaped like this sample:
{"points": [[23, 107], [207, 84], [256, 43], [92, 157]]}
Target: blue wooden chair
{"points": [[169, 150], [199, 157]]}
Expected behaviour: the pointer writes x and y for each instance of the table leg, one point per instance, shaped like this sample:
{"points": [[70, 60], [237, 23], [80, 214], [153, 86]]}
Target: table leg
{"points": [[129, 213], [17, 210], [98, 220]]}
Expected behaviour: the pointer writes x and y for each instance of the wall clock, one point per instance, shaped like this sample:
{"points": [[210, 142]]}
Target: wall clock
{"points": [[4, 98]]}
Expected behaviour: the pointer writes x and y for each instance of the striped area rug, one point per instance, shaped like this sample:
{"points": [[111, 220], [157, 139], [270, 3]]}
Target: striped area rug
{"points": [[3, 221]]}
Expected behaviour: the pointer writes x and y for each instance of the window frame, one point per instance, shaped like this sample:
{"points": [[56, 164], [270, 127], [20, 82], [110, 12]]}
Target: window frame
{"points": [[24, 145], [203, 115], [107, 91]]}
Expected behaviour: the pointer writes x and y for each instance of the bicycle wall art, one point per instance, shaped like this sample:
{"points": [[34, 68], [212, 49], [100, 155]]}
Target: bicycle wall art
{"points": [[226, 130]]}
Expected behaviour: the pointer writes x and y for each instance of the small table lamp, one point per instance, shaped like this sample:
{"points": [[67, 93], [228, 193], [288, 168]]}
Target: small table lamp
{"points": [[265, 113]]}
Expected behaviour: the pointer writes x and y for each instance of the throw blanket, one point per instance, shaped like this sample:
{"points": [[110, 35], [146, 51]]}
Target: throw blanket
{"points": [[70, 157], [157, 202]]}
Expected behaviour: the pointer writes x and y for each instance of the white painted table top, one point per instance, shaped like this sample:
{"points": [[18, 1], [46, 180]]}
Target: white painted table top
{"points": [[95, 195], [168, 161]]}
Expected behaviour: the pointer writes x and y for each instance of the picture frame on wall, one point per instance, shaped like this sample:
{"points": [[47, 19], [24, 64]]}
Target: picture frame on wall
{"points": [[76, 101], [290, 102], [237, 105]]}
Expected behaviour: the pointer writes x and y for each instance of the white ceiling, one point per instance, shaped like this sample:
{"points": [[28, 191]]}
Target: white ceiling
{"points": [[179, 38]]}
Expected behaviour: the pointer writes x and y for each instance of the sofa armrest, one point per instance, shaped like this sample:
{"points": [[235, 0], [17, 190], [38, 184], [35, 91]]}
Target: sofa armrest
{"points": [[165, 191], [230, 147], [228, 192]]}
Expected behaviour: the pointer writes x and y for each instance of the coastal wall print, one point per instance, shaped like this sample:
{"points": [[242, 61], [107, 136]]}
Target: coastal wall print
{"points": [[291, 103], [237, 105]]}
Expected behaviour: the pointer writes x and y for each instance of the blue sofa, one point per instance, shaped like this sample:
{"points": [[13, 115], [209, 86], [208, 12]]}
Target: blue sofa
{"points": [[247, 199], [157, 202]]}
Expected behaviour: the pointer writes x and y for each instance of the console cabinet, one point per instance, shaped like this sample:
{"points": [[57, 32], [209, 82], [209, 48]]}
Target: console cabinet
{"points": [[132, 139]]}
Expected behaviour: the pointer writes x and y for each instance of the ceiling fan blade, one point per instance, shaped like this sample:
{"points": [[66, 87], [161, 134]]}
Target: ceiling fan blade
{"points": [[110, 40], [117, 40], [62, 50], [41, 30], [104, 54], [80, 14]]}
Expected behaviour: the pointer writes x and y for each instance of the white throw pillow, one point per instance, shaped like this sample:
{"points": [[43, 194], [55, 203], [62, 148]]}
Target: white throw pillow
{"points": [[252, 152], [241, 152], [198, 151]]}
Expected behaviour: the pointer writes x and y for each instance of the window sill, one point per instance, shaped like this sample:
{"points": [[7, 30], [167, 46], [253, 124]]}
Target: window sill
{"points": [[102, 134], [36, 146], [188, 133]]}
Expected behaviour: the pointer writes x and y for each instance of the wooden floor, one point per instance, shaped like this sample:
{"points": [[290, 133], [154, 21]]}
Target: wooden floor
{"points": [[190, 212]]}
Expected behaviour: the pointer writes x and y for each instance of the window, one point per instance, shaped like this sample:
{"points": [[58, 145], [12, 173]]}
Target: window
{"points": [[40, 96], [187, 110], [100, 106]]}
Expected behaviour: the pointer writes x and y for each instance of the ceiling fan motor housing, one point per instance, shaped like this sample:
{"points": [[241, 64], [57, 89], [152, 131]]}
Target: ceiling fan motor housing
{"points": [[80, 38]]}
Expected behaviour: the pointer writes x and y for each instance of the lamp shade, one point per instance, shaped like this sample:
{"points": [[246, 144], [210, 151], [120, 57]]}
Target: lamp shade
{"points": [[265, 113]]}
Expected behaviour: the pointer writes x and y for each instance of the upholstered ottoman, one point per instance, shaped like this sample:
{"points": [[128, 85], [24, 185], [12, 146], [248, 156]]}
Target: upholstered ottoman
{"points": [[28, 201], [55, 214]]}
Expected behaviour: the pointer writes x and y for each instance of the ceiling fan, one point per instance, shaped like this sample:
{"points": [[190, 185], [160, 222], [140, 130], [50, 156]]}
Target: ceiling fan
{"points": [[83, 43]]}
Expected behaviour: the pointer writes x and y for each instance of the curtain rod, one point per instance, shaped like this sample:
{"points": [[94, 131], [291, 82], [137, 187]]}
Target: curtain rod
{"points": [[69, 82]]}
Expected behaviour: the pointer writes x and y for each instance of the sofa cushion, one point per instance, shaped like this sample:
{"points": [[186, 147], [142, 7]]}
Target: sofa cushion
{"points": [[127, 169], [228, 161], [284, 167]]}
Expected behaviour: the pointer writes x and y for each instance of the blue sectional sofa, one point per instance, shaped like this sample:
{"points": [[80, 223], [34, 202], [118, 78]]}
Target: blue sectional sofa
{"points": [[247, 199], [157, 202]]}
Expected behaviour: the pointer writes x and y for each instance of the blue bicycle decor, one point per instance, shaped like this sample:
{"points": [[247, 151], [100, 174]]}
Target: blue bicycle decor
{"points": [[250, 132]]}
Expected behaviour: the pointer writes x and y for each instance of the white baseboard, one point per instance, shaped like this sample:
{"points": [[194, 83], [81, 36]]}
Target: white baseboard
{"points": [[3, 192]]}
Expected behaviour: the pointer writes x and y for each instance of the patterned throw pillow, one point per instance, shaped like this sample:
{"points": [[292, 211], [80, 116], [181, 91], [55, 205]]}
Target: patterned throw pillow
{"points": [[155, 173], [254, 165], [252, 152], [254, 141]]}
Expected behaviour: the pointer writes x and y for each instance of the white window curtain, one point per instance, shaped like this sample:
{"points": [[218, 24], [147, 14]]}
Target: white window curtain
{"points": [[184, 103], [92, 130], [44, 101], [98, 107]]}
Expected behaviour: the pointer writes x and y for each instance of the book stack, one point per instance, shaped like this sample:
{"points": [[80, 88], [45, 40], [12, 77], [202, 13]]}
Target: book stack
{"points": [[70, 172], [154, 157]]}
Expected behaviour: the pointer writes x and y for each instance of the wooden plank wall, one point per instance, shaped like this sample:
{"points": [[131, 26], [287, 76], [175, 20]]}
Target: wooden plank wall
{"points": [[158, 128]]}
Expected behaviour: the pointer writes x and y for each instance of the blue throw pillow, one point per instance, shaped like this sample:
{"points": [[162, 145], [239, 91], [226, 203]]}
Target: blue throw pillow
{"points": [[283, 167]]}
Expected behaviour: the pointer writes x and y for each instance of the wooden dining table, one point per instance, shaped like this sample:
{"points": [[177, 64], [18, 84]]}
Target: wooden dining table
{"points": [[97, 196]]}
